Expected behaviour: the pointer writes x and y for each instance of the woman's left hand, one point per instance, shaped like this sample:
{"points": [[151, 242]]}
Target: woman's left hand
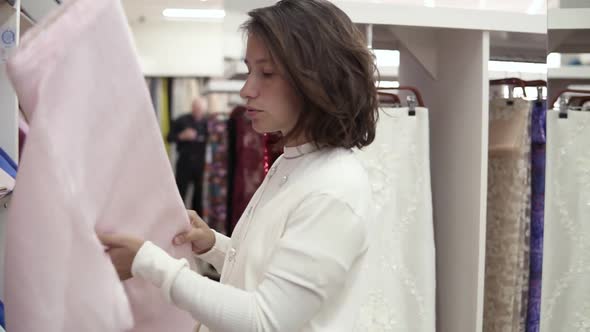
{"points": [[122, 250]]}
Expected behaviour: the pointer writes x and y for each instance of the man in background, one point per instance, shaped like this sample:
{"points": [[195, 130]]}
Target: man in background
{"points": [[189, 132]]}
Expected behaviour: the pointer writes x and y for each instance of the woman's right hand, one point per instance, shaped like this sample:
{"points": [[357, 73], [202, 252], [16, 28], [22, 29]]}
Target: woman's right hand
{"points": [[200, 235]]}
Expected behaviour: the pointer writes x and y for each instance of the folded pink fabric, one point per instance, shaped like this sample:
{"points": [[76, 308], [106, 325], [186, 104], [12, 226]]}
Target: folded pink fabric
{"points": [[94, 161]]}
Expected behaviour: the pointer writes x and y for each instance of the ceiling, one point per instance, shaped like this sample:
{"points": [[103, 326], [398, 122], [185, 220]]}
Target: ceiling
{"points": [[153, 8]]}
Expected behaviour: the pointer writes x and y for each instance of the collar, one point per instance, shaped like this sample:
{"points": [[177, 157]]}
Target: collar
{"points": [[298, 151]]}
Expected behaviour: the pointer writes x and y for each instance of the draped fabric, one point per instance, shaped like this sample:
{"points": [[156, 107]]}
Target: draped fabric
{"points": [[216, 173], [401, 258], [272, 150], [94, 162], [248, 169], [508, 217], [565, 303], [538, 141]]}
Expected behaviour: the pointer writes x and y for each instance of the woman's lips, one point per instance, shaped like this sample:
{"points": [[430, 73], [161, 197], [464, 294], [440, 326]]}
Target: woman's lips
{"points": [[252, 112]]}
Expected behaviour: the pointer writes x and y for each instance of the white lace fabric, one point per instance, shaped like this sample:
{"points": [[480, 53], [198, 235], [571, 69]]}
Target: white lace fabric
{"points": [[401, 263], [565, 302], [508, 218]]}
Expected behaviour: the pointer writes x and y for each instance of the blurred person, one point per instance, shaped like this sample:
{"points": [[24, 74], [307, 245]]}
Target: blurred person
{"points": [[190, 134]]}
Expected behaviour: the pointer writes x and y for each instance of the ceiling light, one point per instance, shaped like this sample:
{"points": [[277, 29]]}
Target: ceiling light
{"points": [[194, 13]]}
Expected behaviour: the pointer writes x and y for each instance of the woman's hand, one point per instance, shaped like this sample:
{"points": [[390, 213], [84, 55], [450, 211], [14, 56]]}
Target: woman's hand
{"points": [[200, 235], [122, 250]]}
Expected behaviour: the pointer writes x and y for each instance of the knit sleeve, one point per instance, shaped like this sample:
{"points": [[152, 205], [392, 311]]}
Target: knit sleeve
{"points": [[307, 267]]}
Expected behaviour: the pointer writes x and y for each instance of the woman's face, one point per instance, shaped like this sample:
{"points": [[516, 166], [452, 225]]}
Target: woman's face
{"points": [[272, 102]]}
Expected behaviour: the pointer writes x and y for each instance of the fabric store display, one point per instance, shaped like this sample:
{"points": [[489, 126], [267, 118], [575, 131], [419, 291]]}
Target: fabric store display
{"points": [[69, 189], [508, 216], [401, 258], [248, 168], [164, 110], [272, 150], [538, 141], [159, 89], [565, 300], [216, 171]]}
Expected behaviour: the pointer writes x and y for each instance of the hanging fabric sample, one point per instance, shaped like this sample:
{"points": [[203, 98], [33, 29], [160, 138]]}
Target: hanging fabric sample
{"points": [[248, 164], [538, 140], [164, 111], [75, 180], [272, 150], [215, 210], [508, 216], [565, 303], [401, 259]]}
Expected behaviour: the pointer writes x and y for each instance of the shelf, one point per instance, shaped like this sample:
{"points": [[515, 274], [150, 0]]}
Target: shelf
{"points": [[493, 75], [569, 40], [569, 72], [568, 19], [504, 45], [427, 17]]}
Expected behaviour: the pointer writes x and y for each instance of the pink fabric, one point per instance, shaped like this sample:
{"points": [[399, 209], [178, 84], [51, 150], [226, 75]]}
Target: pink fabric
{"points": [[94, 161]]}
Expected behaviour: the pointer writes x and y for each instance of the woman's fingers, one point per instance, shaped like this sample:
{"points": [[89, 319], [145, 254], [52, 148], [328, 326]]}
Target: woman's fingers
{"points": [[113, 240], [189, 236]]}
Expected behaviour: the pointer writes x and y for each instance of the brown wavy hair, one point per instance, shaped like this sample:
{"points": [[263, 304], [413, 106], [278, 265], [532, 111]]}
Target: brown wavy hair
{"points": [[326, 60]]}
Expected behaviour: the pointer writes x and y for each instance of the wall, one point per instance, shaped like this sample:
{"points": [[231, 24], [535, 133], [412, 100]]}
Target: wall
{"points": [[179, 48]]}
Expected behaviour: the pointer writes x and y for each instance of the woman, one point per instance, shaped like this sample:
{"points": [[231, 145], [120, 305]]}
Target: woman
{"points": [[293, 262]]}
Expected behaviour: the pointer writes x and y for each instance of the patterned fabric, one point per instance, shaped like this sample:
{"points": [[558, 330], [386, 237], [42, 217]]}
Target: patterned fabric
{"points": [[272, 150], [565, 302], [538, 140], [248, 170], [508, 217], [216, 173], [401, 258]]}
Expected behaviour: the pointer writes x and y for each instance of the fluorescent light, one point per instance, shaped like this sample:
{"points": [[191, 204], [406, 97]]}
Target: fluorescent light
{"points": [[387, 84], [194, 13]]}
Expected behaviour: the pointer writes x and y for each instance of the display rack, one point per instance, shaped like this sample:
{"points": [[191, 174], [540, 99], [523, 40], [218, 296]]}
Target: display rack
{"points": [[444, 52]]}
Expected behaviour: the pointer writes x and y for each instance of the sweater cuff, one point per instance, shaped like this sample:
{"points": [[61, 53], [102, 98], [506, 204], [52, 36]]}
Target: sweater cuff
{"points": [[218, 249], [156, 266]]}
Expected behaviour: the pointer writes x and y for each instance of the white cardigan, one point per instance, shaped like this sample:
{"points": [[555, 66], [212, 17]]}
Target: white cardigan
{"points": [[293, 262]]}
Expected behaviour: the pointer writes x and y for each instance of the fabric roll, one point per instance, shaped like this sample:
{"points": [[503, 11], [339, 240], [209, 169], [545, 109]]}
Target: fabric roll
{"points": [[538, 141], [215, 211], [565, 302], [248, 171], [401, 265], [94, 162], [508, 216]]}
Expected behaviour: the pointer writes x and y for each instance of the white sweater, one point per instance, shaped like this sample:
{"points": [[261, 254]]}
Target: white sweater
{"points": [[293, 262]]}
